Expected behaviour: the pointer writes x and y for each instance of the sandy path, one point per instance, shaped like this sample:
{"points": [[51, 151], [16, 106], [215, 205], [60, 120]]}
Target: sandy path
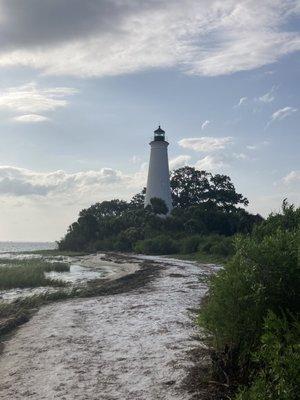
{"points": [[126, 346]]}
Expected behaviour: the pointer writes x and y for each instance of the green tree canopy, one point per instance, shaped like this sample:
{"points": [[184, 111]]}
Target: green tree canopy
{"points": [[157, 206], [110, 208], [191, 187]]}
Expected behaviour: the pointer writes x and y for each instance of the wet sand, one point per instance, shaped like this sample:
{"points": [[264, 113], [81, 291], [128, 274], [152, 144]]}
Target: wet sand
{"points": [[130, 345]]}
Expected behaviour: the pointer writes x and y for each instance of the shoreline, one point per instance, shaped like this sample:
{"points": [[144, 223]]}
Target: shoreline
{"points": [[153, 308], [121, 276]]}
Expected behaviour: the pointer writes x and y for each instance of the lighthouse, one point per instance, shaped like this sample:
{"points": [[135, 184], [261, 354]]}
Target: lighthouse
{"points": [[158, 183]]}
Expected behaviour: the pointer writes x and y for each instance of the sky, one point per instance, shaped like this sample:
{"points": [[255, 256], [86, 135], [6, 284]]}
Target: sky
{"points": [[83, 84]]}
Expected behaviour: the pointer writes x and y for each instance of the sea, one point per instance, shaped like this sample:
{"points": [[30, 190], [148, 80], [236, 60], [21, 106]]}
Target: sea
{"points": [[20, 247]]}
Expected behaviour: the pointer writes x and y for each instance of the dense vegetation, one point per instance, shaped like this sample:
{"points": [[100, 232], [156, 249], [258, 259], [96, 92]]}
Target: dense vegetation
{"points": [[252, 312], [204, 205]]}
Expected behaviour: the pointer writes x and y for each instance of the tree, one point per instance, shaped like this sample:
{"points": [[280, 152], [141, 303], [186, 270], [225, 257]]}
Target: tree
{"points": [[189, 186], [157, 206], [222, 192], [192, 187], [111, 208], [88, 226], [138, 200]]}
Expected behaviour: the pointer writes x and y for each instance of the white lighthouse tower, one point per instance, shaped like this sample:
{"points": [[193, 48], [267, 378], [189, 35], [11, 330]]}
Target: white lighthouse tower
{"points": [[158, 184]]}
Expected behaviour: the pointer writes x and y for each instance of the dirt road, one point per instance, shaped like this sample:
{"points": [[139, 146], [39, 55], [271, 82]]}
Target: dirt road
{"points": [[125, 346]]}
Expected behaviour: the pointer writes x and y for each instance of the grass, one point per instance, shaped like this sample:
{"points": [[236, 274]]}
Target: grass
{"points": [[29, 273]]}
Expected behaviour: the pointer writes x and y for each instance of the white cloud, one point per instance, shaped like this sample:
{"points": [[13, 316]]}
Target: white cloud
{"points": [[292, 177], [283, 113], [218, 162], [180, 161], [241, 101], [202, 37], [135, 159], [205, 124], [51, 201], [30, 118], [268, 97], [206, 143], [16, 181], [240, 156], [32, 99], [257, 146], [211, 163]]}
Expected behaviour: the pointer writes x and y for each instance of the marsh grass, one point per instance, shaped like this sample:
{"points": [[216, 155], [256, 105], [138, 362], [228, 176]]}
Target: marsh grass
{"points": [[29, 273]]}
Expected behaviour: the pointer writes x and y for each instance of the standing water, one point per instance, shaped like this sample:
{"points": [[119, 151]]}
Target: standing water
{"points": [[19, 247]]}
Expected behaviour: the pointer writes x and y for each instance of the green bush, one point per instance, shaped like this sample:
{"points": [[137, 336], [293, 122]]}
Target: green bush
{"points": [[190, 244], [263, 275], [104, 245], [212, 244], [207, 242], [158, 245], [222, 248], [216, 245], [122, 245], [279, 359], [288, 219]]}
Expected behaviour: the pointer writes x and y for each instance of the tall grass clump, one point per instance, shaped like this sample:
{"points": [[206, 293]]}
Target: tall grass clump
{"points": [[29, 273], [262, 279]]}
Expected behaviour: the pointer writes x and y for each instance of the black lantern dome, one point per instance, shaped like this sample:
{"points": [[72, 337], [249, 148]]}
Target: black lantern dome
{"points": [[159, 134]]}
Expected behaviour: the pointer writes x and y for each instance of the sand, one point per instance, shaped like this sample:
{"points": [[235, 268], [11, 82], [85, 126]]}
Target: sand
{"points": [[127, 346]]}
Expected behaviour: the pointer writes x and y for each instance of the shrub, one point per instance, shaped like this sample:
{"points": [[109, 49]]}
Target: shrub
{"points": [[288, 219], [223, 247], [190, 244], [158, 245], [263, 275], [279, 358], [122, 245], [207, 242], [104, 245], [216, 245]]}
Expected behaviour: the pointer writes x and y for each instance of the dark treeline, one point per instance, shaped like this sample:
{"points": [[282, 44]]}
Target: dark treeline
{"points": [[204, 204]]}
